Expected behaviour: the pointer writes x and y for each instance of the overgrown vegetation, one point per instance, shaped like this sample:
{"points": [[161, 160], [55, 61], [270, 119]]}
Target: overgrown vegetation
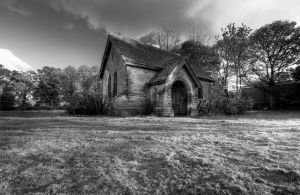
{"points": [[232, 105], [225, 105]]}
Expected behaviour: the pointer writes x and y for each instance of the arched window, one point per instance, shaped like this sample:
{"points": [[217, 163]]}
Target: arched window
{"points": [[154, 95], [109, 86], [115, 84], [200, 93]]}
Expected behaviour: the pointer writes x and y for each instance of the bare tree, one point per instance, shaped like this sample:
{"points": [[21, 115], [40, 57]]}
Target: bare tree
{"points": [[165, 38], [200, 37]]}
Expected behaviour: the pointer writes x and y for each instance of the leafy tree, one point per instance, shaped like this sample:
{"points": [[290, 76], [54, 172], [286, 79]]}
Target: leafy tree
{"points": [[274, 49], [7, 100], [86, 77], [49, 86], [201, 55], [225, 70], [70, 79], [233, 49], [23, 85], [4, 75], [87, 99]]}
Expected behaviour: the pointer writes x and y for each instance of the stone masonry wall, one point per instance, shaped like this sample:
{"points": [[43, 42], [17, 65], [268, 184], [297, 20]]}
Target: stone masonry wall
{"points": [[132, 94], [164, 105]]}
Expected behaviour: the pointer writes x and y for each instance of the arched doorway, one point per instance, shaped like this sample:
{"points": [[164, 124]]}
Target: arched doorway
{"points": [[179, 99]]}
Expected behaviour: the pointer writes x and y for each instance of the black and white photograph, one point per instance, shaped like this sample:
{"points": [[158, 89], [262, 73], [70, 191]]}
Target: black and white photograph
{"points": [[138, 97]]}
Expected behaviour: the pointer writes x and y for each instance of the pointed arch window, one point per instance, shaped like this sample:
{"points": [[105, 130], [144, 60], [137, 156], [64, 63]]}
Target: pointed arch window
{"points": [[200, 93], [115, 84], [109, 86]]}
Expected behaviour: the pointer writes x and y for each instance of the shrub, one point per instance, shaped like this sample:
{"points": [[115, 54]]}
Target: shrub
{"points": [[7, 101], [85, 104], [107, 107], [41, 106], [203, 106], [232, 105]]}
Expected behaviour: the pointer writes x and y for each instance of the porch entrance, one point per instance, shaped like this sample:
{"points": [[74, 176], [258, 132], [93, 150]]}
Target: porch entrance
{"points": [[179, 99]]}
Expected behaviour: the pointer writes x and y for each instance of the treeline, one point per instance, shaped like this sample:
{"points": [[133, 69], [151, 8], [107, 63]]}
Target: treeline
{"points": [[262, 58], [74, 89]]}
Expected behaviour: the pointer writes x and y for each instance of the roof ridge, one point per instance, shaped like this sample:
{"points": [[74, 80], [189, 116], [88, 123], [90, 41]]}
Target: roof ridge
{"points": [[148, 55], [129, 39]]}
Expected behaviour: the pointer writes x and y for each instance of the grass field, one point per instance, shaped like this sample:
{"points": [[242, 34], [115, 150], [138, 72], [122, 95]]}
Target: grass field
{"points": [[43, 153]]}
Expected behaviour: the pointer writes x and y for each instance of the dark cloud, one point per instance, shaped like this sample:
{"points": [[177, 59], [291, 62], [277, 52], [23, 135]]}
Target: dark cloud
{"points": [[135, 17], [73, 32], [130, 17]]}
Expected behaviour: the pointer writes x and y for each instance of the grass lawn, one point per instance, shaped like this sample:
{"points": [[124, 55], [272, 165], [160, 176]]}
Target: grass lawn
{"points": [[254, 154]]}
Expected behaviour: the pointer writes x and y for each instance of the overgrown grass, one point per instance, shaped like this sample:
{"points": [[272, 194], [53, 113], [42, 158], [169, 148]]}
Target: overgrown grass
{"points": [[253, 154]]}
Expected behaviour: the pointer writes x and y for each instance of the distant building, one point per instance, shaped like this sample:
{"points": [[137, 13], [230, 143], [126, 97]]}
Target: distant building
{"points": [[139, 78], [287, 95]]}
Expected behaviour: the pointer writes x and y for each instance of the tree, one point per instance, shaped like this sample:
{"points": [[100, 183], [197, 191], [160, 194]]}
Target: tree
{"points": [[23, 84], [7, 100], [85, 77], [233, 48], [88, 98], [70, 78], [4, 75], [274, 48], [165, 38], [225, 69], [207, 58], [200, 37], [197, 53], [49, 86]]}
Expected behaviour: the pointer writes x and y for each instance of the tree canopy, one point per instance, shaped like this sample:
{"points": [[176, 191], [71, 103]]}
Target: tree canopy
{"points": [[274, 48]]}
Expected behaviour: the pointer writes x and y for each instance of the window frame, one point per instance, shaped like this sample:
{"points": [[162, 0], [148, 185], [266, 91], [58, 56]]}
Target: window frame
{"points": [[115, 89], [109, 86], [200, 93]]}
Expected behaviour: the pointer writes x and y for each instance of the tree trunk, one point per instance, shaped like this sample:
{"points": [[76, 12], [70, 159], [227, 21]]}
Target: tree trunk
{"points": [[240, 82], [240, 86], [226, 82], [24, 101], [272, 101], [237, 83], [272, 98]]}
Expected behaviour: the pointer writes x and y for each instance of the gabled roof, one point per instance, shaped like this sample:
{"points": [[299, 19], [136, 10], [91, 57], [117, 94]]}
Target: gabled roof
{"points": [[169, 67], [137, 54], [163, 74]]}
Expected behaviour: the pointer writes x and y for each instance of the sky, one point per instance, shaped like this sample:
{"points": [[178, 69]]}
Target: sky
{"points": [[59, 33]]}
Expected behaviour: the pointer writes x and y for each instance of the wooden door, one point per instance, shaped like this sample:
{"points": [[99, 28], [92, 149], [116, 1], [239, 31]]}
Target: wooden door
{"points": [[179, 99]]}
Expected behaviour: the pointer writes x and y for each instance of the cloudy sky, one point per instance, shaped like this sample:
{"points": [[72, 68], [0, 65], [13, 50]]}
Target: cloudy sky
{"points": [[73, 32]]}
